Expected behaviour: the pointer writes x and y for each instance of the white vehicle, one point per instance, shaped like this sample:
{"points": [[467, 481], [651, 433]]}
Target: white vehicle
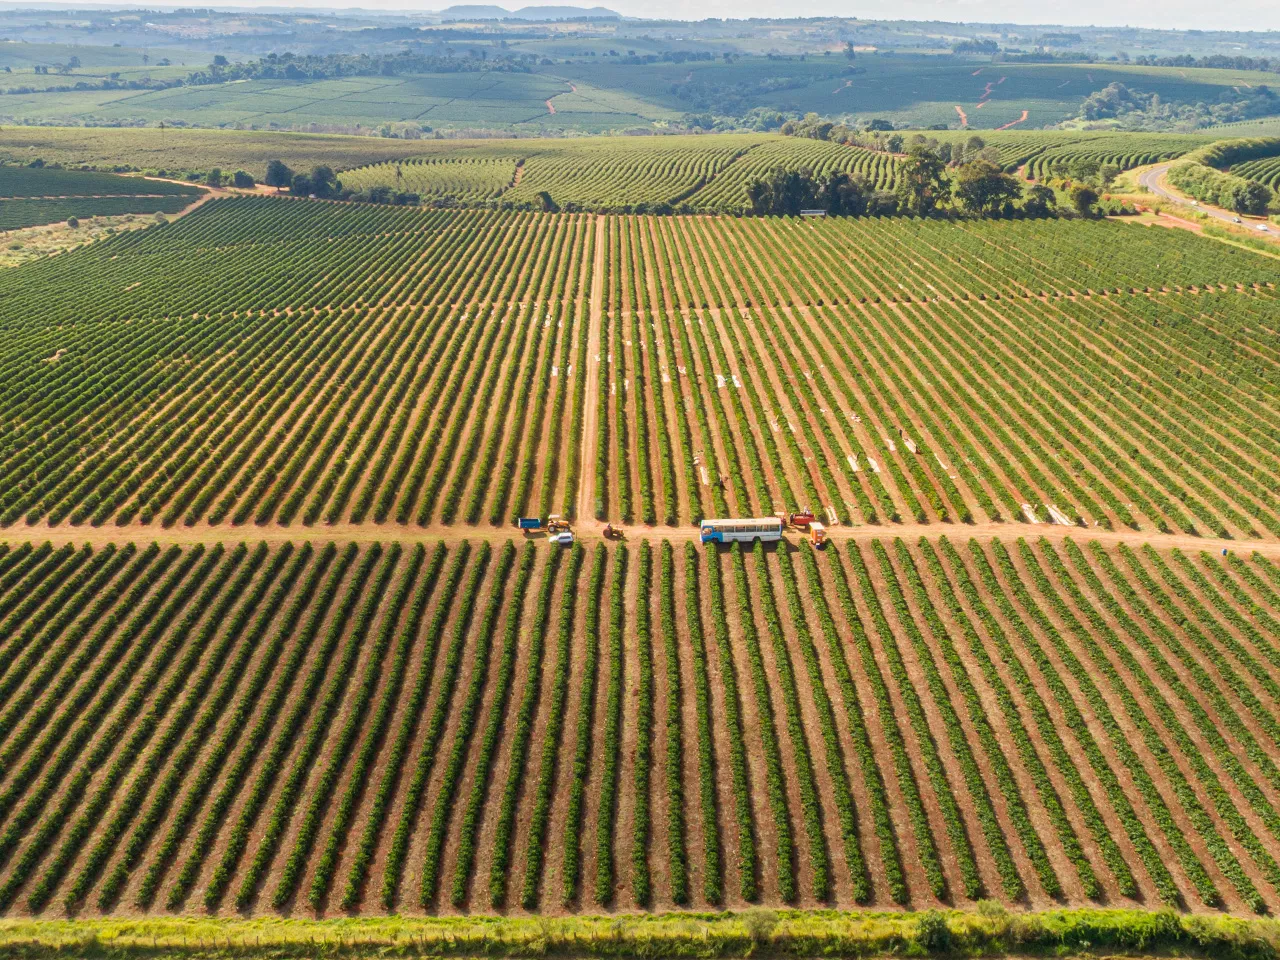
{"points": [[750, 529], [1264, 228], [563, 539], [1236, 220]]}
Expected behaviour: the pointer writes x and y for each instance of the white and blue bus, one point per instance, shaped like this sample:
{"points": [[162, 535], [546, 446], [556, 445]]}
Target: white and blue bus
{"points": [[750, 529]]}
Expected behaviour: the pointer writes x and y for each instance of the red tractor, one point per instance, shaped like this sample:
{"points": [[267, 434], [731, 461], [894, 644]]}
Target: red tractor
{"points": [[801, 518]]}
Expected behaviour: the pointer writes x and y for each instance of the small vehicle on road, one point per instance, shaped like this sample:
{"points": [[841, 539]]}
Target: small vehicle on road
{"points": [[563, 539], [557, 523], [1236, 220], [818, 534], [611, 532], [801, 518]]}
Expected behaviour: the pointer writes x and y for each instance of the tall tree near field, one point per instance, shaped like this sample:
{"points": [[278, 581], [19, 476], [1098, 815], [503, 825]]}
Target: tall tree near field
{"points": [[1084, 198], [278, 174], [982, 187], [922, 184]]}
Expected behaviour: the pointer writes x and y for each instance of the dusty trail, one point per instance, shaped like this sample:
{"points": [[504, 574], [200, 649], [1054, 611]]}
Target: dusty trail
{"points": [[590, 409], [591, 530]]}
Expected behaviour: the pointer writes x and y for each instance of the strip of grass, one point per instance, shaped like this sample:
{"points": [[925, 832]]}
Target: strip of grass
{"points": [[988, 931]]}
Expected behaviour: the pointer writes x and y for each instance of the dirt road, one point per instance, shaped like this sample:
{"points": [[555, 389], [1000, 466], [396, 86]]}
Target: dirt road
{"points": [[593, 530], [590, 410]]}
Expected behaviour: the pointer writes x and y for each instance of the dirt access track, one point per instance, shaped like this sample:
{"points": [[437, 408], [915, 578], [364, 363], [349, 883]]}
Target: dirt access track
{"points": [[590, 530]]}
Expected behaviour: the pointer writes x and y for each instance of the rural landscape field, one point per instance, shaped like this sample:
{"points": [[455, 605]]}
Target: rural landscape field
{"points": [[362, 589]]}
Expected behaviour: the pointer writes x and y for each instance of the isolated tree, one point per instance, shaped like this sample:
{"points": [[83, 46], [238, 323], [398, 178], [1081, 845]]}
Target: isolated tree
{"points": [[546, 204], [922, 185], [1040, 201], [982, 187], [278, 174], [1084, 198], [242, 180], [214, 177], [220, 61], [73, 222], [301, 185]]}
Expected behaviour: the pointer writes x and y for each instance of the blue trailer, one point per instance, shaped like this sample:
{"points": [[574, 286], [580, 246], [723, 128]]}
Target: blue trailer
{"points": [[529, 523]]}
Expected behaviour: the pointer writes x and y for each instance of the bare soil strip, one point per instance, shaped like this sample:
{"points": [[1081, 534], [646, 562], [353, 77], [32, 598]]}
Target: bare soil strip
{"points": [[591, 408]]}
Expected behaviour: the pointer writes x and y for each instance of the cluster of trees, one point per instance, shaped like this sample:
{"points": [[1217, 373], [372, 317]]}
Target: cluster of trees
{"points": [[1137, 110], [880, 135], [1216, 61], [290, 66], [926, 186], [976, 46], [786, 192], [240, 179], [324, 184]]}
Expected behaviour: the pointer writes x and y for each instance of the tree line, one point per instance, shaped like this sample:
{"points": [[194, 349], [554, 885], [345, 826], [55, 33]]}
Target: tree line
{"points": [[925, 187], [323, 184]]}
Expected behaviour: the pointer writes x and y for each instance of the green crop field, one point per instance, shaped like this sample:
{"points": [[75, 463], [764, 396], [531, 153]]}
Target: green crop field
{"points": [[270, 644], [36, 196], [1266, 170], [913, 90], [471, 101], [37, 182], [282, 675], [1122, 151], [705, 172], [607, 95], [16, 214]]}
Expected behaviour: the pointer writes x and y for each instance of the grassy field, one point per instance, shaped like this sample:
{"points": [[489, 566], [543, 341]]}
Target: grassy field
{"points": [[788, 933], [271, 645]]}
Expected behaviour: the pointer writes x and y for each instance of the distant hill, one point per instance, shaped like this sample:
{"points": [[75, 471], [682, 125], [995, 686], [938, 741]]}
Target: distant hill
{"points": [[478, 11]]}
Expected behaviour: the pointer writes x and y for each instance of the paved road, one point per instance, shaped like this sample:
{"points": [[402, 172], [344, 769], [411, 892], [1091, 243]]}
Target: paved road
{"points": [[1151, 180]]}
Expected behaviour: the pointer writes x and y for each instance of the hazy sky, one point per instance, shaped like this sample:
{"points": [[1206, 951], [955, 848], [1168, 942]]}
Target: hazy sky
{"points": [[1173, 14], [1179, 14]]}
